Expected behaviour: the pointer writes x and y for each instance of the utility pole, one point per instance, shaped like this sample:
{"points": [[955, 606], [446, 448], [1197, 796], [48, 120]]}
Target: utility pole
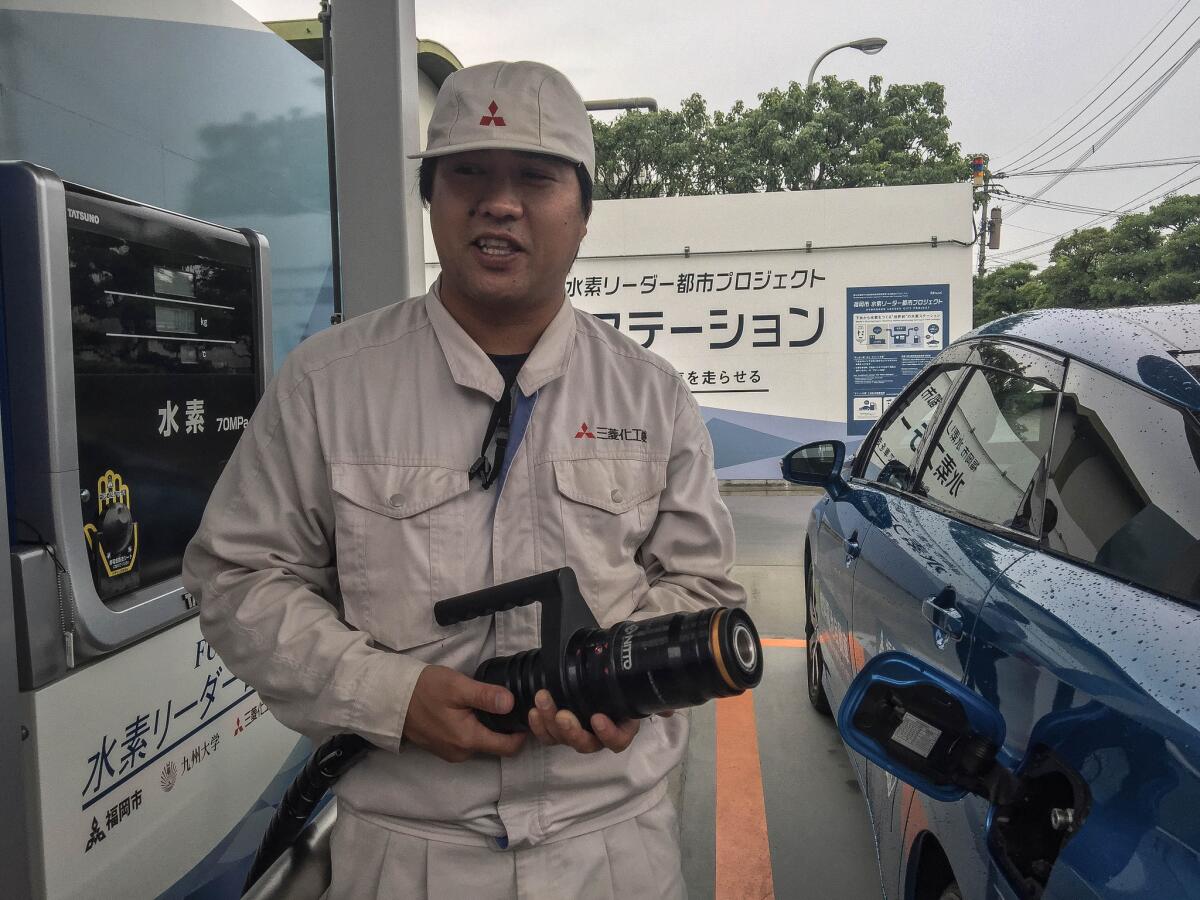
{"points": [[983, 230], [982, 178]]}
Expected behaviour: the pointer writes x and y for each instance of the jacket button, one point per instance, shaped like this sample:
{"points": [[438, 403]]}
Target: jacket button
{"points": [[616, 495], [396, 500]]}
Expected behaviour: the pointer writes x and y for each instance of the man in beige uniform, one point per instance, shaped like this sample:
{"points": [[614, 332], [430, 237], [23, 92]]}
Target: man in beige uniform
{"points": [[354, 502]]}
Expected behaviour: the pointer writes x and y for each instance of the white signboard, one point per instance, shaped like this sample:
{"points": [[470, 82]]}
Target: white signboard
{"points": [[758, 301]]}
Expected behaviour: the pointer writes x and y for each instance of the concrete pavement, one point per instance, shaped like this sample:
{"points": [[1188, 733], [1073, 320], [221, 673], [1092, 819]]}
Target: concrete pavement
{"points": [[816, 832]]}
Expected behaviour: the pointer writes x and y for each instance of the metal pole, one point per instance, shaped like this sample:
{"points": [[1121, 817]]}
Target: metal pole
{"points": [[983, 226], [375, 102], [813, 71], [326, 18]]}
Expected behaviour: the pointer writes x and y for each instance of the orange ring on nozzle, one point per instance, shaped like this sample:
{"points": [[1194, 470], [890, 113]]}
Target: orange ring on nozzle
{"points": [[715, 639]]}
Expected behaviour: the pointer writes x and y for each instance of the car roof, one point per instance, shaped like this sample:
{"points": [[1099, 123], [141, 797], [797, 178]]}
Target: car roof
{"points": [[1155, 347]]}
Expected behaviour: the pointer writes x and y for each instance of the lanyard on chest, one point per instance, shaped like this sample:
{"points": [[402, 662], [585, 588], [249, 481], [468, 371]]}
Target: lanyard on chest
{"points": [[488, 470]]}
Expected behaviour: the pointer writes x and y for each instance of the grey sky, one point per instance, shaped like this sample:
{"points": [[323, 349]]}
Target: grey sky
{"points": [[1011, 68]]}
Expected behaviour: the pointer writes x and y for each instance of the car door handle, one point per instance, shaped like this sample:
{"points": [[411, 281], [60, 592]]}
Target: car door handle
{"points": [[942, 614], [853, 548]]}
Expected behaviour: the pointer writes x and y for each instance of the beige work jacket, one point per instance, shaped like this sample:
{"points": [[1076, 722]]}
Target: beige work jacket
{"points": [[346, 512]]}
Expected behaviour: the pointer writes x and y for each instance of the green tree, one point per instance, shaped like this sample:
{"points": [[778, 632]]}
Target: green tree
{"points": [[1178, 277], [1150, 257], [1145, 258], [651, 155], [1073, 268], [1006, 290], [1131, 258], [830, 134]]}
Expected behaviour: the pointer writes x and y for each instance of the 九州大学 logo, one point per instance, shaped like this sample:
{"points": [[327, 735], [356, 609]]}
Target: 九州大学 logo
{"points": [[168, 777]]}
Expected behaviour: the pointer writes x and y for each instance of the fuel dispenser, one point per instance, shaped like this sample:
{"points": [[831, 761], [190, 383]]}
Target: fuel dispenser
{"points": [[136, 343]]}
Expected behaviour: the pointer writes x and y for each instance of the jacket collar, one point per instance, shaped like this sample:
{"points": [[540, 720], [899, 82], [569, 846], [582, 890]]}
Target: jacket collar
{"points": [[470, 367]]}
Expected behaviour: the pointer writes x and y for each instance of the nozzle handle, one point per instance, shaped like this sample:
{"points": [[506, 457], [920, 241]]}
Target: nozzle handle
{"points": [[546, 588], [564, 612]]}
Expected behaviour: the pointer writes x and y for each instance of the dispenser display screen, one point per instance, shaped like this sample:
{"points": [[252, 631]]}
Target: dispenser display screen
{"points": [[174, 282], [174, 320], [123, 325]]}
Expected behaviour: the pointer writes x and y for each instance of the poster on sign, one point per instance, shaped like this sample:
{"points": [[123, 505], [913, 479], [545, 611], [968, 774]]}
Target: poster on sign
{"points": [[746, 297], [892, 332]]}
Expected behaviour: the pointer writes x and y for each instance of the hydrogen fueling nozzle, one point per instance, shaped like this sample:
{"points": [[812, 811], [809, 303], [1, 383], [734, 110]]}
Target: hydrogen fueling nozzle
{"points": [[629, 670]]}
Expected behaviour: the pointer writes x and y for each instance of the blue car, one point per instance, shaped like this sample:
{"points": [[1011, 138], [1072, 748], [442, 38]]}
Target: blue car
{"points": [[1003, 598]]}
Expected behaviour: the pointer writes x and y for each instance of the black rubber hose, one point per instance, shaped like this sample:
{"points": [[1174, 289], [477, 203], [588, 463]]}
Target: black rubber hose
{"points": [[323, 768]]}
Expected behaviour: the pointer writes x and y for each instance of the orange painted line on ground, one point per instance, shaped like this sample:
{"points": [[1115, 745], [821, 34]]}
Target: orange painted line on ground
{"points": [[784, 642], [858, 654], [743, 852]]}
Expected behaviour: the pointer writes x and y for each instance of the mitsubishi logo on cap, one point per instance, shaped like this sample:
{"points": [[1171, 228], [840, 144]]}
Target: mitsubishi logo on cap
{"points": [[493, 119]]}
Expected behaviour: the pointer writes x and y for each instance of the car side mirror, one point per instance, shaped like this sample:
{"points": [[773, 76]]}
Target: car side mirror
{"points": [[913, 721], [817, 465]]}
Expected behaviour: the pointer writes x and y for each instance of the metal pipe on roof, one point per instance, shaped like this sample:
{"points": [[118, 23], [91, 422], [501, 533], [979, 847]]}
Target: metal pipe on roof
{"points": [[648, 103]]}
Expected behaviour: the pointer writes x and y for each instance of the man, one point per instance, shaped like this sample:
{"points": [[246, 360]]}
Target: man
{"points": [[393, 463]]}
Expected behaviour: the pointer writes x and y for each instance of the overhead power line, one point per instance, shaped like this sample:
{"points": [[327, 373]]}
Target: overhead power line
{"points": [[1119, 121], [1062, 148], [1034, 230], [1123, 209], [1061, 205], [1092, 223], [1108, 167], [1106, 89], [1055, 151]]}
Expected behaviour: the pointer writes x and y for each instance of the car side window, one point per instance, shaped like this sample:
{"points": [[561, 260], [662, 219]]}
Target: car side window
{"points": [[891, 458], [988, 455], [1123, 492]]}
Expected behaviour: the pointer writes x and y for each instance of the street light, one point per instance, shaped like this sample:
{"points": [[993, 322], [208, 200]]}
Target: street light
{"points": [[869, 46]]}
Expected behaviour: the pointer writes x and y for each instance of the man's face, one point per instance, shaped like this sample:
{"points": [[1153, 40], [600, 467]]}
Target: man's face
{"points": [[507, 226]]}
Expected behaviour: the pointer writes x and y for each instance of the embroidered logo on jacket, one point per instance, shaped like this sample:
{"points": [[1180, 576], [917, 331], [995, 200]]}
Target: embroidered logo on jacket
{"points": [[603, 433]]}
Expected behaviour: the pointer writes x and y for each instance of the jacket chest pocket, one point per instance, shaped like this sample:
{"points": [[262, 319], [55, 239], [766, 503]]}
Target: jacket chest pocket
{"points": [[608, 508], [399, 539]]}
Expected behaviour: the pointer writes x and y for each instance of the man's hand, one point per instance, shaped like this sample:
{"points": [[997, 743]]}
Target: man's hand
{"points": [[551, 725], [441, 716]]}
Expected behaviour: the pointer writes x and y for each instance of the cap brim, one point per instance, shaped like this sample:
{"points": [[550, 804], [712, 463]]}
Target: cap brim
{"points": [[518, 146]]}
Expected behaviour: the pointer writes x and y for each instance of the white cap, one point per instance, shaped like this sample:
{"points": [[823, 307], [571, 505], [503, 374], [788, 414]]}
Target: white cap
{"points": [[524, 106]]}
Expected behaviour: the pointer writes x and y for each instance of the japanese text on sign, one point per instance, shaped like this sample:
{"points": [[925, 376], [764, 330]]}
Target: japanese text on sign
{"points": [[116, 815], [692, 282], [194, 419], [145, 737], [723, 377], [723, 329]]}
